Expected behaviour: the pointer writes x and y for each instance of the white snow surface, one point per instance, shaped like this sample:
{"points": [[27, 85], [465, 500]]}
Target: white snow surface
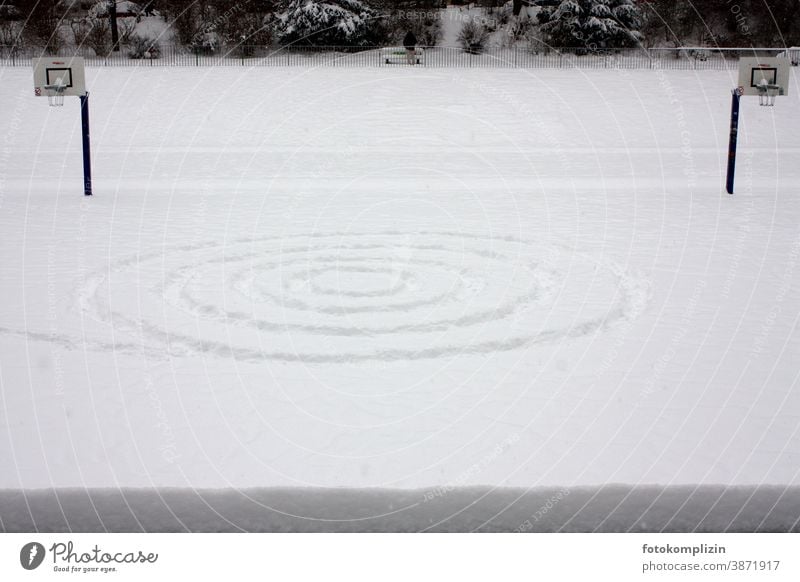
{"points": [[398, 278]]}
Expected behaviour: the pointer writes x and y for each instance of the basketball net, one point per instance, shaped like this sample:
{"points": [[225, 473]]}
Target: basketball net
{"points": [[767, 94], [55, 93]]}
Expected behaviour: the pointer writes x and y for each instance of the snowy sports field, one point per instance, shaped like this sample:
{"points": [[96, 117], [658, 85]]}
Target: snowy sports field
{"points": [[400, 278]]}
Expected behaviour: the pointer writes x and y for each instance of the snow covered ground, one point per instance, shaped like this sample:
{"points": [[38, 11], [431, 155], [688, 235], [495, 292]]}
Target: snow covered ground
{"points": [[398, 278]]}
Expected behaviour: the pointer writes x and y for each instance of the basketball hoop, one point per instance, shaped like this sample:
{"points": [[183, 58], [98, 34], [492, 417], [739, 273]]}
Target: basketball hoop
{"points": [[55, 94], [767, 77], [59, 77], [767, 94]]}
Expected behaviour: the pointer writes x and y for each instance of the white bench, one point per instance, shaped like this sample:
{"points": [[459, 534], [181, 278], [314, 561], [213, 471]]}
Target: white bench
{"points": [[399, 56]]}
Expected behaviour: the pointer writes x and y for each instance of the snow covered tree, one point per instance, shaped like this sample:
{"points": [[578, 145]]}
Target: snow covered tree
{"points": [[591, 24], [628, 19], [328, 23]]}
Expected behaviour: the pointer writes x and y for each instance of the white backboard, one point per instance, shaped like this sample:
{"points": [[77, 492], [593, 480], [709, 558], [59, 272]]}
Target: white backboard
{"points": [[772, 70], [67, 71]]}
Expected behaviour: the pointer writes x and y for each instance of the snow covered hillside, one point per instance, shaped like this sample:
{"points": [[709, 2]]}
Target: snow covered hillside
{"points": [[398, 278]]}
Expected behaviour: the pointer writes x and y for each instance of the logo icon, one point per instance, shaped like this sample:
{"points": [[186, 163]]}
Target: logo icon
{"points": [[31, 555]]}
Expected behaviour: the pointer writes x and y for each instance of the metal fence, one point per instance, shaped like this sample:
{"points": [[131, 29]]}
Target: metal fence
{"points": [[689, 58]]}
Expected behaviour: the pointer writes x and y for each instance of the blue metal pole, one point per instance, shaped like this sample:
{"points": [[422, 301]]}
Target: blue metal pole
{"points": [[736, 96], [87, 156]]}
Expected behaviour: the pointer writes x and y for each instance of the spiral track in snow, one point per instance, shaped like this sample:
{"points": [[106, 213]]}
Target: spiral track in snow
{"points": [[348, 297]]}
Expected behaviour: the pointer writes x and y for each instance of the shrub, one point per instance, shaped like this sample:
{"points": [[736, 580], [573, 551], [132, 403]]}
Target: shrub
{"points": [[205, 43], [143, 47], [92, 32], [126, 28], [473, 37], [247, 32]]}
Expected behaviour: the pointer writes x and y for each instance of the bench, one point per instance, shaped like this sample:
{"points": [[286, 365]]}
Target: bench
{"points": [[399, 56]]}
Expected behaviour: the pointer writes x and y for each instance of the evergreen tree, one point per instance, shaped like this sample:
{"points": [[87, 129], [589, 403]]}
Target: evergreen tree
{"points": [[328, 23], [629, 21], [591, 24]]}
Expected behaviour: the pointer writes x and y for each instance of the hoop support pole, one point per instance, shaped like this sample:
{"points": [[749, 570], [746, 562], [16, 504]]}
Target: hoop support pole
{"points": [[735, 97], [87, 156]]}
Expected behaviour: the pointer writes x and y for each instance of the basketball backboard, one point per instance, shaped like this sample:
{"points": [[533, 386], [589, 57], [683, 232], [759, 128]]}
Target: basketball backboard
{"points": [[65, 71], [761, 71]]}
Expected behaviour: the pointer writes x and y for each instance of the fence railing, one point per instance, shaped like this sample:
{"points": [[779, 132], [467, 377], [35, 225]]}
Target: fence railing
{"points": [[689, 58]]}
